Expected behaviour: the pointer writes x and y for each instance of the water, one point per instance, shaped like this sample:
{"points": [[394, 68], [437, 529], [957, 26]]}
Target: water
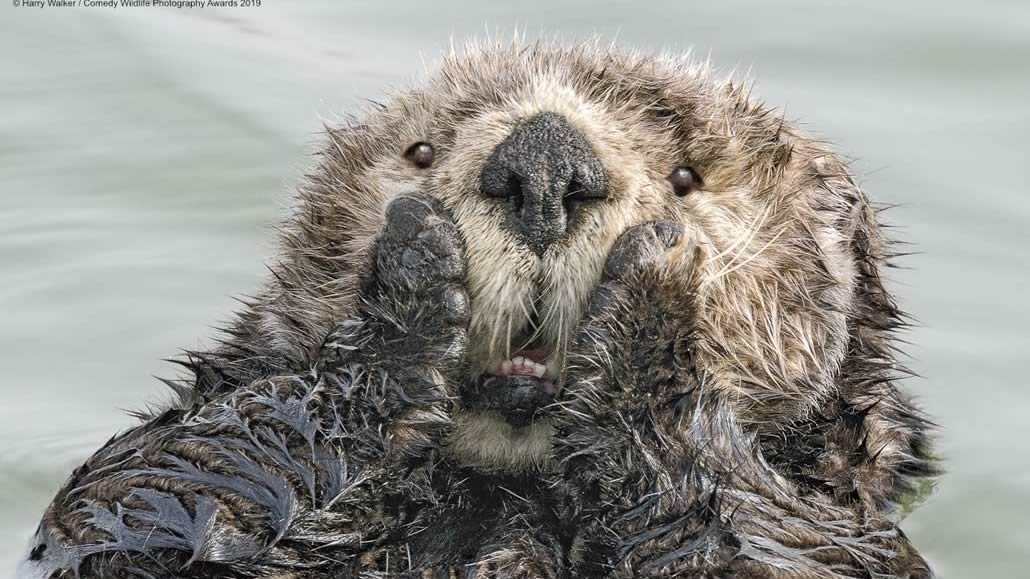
{"points": [[145, 155]]}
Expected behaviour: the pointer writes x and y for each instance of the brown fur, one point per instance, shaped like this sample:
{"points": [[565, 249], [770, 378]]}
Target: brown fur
{"points": [[771, 301]]}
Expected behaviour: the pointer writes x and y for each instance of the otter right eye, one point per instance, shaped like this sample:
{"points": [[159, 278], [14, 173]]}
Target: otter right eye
{"points": [[420, 154], [684, 180]]}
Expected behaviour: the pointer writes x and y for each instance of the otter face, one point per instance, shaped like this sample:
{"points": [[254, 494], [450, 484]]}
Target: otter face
{"points": [[545, 156]]}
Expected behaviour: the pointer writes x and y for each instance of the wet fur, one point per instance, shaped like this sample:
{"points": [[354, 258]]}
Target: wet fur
{"points": [[730, 407]]}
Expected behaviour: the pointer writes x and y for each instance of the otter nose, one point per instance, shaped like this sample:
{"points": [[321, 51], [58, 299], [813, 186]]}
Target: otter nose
{"points": [[545, 170]]}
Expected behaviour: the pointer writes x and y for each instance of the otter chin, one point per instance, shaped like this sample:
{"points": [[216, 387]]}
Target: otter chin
{"points": [[501, 425]]}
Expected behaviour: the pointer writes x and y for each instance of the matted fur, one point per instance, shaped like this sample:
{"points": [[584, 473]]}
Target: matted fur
{"points": [[729, 409]]}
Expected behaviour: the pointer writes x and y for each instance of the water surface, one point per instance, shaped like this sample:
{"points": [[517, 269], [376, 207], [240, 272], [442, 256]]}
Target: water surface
{"points": [[145, 155]]}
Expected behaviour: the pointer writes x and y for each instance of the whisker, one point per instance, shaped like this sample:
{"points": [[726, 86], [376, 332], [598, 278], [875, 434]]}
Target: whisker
{"points": [[552, 308], [530, 316], [495, 338], [508, 342], [749, 234], [753, 230], [751, 258]]}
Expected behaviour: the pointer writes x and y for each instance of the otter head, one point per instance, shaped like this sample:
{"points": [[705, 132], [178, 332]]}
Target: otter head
{"points": [[545, 156]]}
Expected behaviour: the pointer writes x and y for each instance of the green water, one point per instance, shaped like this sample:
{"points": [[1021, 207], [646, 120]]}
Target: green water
{"points": [[146, 153]]}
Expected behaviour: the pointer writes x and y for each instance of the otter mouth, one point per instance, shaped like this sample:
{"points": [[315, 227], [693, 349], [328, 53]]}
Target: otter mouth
{"points": [[516, 389]]}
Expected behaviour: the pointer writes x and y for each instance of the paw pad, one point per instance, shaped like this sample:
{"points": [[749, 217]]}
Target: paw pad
{"points": [[420, 249]]}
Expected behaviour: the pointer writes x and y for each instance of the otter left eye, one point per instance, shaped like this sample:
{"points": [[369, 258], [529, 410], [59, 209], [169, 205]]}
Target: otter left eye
{"points": [[684, 180], [420, 154]]}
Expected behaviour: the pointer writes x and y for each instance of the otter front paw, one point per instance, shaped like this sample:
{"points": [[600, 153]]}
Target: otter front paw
{"points": [[640, 248], [638, 321], [413, 309], [394, 357], [419, 249], [416, 285], [631, 367]]}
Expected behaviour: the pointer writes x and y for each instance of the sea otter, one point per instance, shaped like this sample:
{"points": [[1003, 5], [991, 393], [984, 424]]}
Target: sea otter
{"points": [[556, 312]]}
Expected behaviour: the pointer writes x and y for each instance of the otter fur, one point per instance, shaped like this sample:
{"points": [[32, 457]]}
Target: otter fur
{"points": [[560, 311]]}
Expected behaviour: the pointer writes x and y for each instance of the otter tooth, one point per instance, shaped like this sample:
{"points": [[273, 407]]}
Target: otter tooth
{"points": [[505, 368], [524, 366], [538, 369]]}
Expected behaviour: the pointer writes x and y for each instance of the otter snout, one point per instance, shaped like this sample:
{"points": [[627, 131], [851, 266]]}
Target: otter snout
{"points": [[544, 169]]}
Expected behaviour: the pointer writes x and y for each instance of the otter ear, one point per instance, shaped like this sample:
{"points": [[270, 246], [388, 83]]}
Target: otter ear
{"points": [[874, 314], [876, 317], [877, 310], [883, 438]]}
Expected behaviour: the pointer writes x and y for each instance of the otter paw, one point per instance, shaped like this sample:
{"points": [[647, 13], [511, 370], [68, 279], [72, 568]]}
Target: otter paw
{"points": [[414, 299], [641, 247], [419, 259], [419, 249], [649, 248], [633, 338]]}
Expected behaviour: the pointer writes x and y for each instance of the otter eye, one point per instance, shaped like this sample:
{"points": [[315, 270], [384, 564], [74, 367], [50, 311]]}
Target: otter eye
{"points": [[684, 180], [420, 154]]}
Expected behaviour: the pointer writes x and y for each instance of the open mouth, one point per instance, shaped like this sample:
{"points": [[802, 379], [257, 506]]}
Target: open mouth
{"points": [[516, 388]]}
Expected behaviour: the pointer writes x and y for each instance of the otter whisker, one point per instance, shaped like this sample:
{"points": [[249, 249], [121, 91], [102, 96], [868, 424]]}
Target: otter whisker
{"points": [[757, 254], [494, 342], [529, 316], [724, 272], [507, 342], [553, 305], [743, 241], [562, 334]]}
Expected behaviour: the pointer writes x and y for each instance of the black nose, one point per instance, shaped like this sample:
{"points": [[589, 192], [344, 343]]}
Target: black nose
{"points": [[545, 169]]}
